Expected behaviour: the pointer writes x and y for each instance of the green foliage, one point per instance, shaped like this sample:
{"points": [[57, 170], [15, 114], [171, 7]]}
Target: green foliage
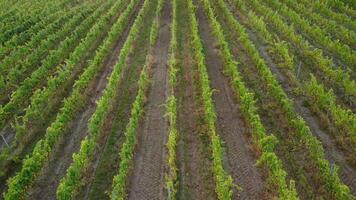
{"points": [[76, 101], [154, 29], [321, 7], [340, 32], [71, 181], [17, 41], [343, 118], [31, 53], [154, 32], [21, 96], [26, 16], [315, 56], [171, 110], [343, 52]]}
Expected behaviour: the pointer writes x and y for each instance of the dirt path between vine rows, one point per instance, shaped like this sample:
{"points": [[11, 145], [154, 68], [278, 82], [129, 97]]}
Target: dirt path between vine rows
{"points": [[147, 177], [239, 158], [44, 187]]}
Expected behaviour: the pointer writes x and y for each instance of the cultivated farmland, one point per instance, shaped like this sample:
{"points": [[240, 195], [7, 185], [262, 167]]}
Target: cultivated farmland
{"points": [[177, 99]]}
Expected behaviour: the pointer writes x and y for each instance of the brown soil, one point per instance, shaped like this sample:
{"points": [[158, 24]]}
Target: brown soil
{"points": [[239, 156], [147, 177], [46, 184]]}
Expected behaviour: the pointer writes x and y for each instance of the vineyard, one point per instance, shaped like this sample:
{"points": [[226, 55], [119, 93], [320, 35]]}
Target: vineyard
{"points": [[178, 99]]}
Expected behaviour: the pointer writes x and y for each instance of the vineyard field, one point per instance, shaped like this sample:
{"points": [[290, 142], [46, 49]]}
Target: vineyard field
{"points": [[178, 99]]}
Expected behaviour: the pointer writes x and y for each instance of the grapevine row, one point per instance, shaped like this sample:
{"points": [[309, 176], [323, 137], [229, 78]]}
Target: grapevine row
{"points": [[19, 22], [342, 7], [171, 109], [127, 149], [343, 52], [126, 152], [40, 105], [20, 97], [70, 182], [343, 34], [330, 181], [320, 7], [20, 71], [334, 76], [32, 50], [38, 37], [264, 143], [75, 102], [344, 119], [23, 37], [324, 100], [39, 10]]}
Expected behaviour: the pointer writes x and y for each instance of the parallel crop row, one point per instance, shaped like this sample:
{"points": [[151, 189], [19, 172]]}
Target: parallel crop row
{"points": [[20, 97], [36, 49], [127, 150], [23, 37], [265, 143], [21, 21], [23, 68], [43, 100], [70, 182], [75, 102], [223, 181], [36, 39], [343, 52], [340, 32], [344, 119], [324, 65], [319, 6], [343, 7], [171, 109], [28, 17], [330, 180], [321, 99]]}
